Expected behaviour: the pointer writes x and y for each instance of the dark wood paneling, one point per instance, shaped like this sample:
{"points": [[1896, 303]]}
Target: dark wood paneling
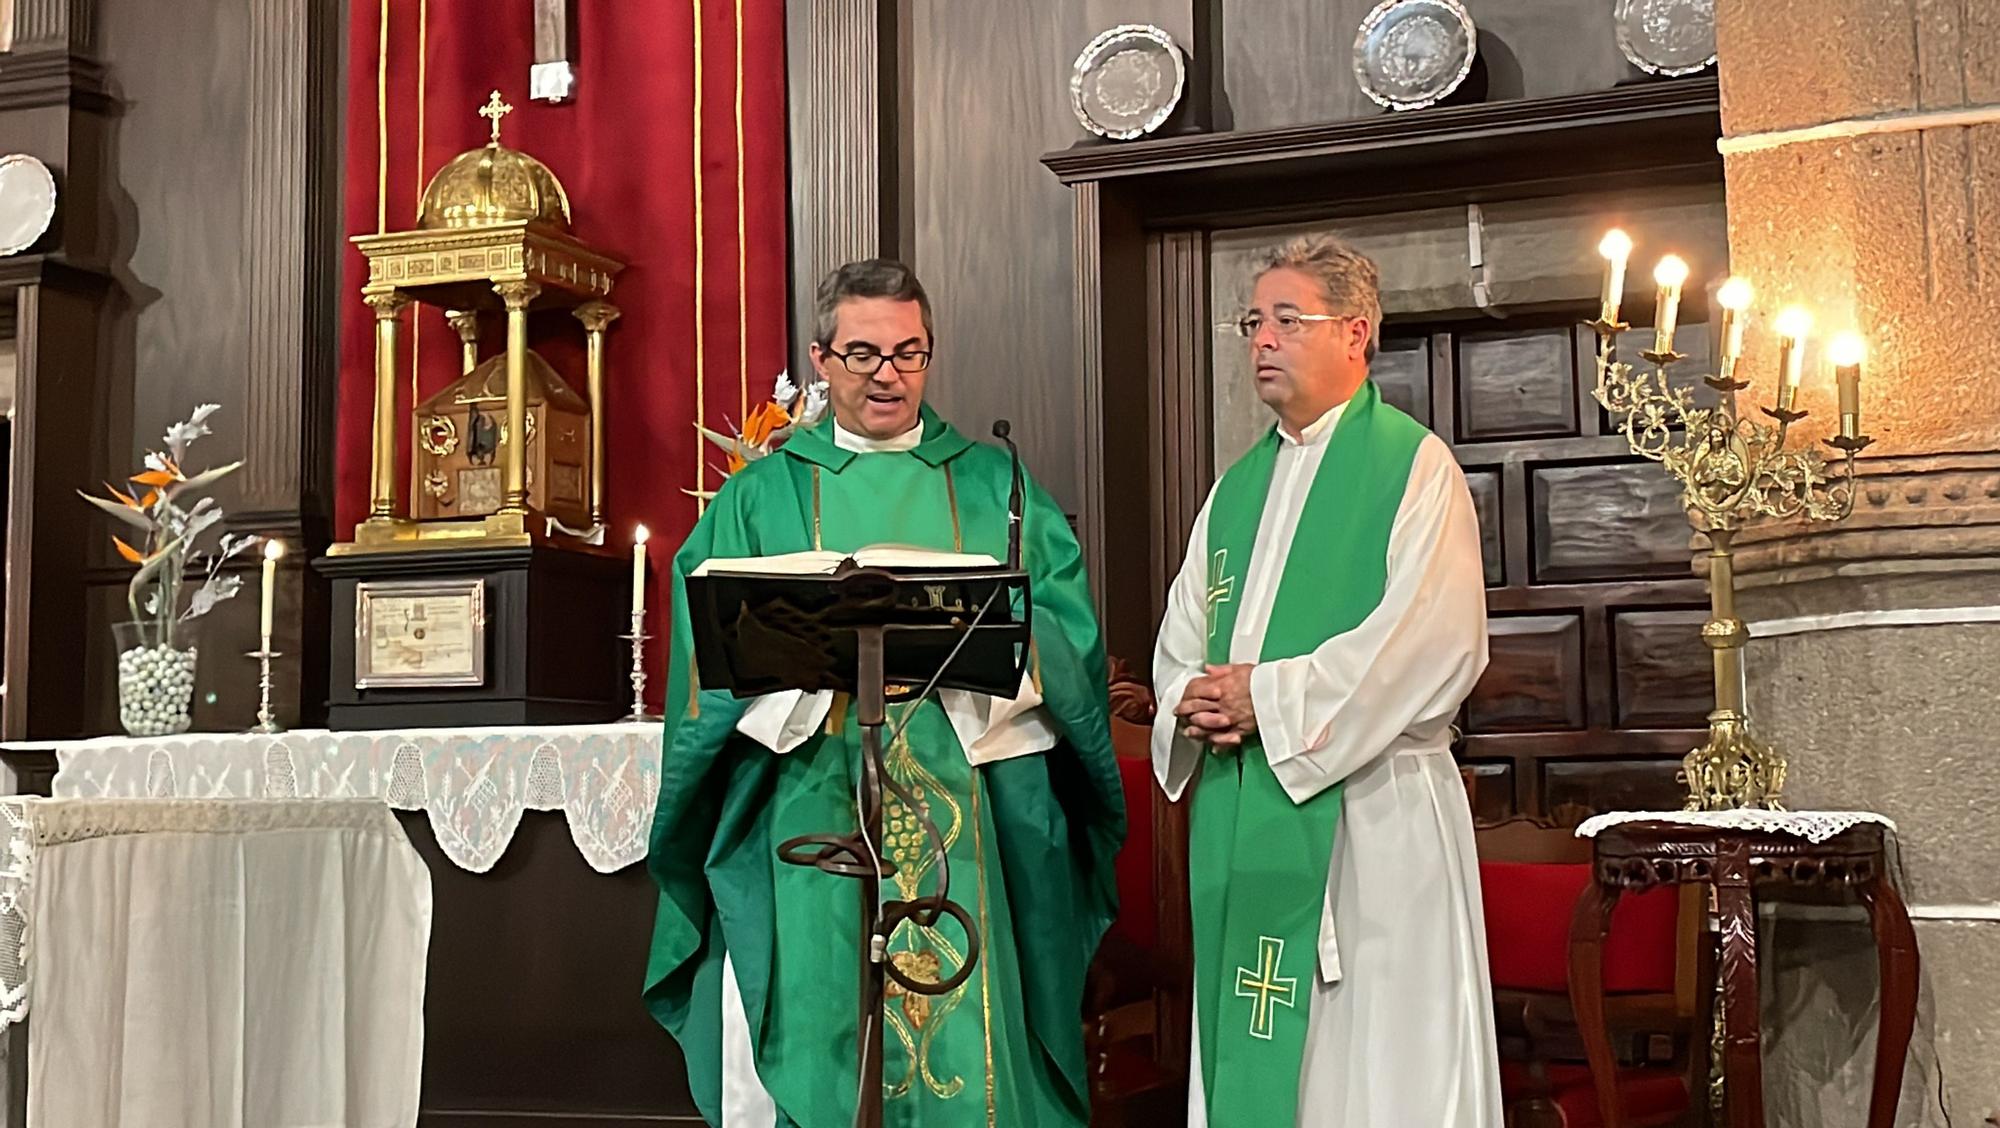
{"points": [[1402, 370], [1664, 674], [1289, 61], [1485, 488], [1608, 521], [1534, 678], [1492, 791], [1612, 785], [1516, 385]]}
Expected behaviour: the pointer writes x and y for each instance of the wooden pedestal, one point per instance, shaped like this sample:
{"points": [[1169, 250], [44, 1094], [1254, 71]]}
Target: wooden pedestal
{"points": [[553, 655]]}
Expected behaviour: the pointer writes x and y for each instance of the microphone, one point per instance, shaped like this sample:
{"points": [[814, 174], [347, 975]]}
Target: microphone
{"points": [[1001, 430]]}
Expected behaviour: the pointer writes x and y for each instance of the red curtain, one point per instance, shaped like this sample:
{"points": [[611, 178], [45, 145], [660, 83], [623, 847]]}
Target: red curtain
{"points": [[679, 113]]}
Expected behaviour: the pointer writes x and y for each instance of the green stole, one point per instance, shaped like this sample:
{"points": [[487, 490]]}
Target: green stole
{"points": [[1258, 861]]}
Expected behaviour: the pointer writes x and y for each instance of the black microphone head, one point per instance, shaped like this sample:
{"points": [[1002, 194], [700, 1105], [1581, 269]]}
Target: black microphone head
{"points": [[1001, 429]]}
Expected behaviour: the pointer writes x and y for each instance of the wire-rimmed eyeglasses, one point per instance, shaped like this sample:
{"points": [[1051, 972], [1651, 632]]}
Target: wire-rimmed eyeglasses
{"points": [[1284, 324]]}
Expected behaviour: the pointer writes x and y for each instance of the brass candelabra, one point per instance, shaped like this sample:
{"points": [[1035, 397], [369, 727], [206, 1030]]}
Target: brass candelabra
{"points": [[1731, 469]]}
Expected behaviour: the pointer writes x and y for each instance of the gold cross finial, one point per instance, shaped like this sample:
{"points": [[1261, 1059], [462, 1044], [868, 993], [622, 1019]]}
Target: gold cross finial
{"points": [[495, 109]]}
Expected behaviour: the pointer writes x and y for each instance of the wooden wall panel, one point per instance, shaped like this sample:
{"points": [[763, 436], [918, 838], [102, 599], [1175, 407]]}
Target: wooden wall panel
{"points": [[1484, 484], [1287, 62], [1612, 784], [1664, 674], [1516, 384], [1402, 370], [986, 93], [1608, 521], [1534, 678]]}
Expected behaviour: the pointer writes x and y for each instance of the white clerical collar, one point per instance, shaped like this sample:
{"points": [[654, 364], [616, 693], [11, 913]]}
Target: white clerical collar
{"points": [[1318, 429], [862, 444]]}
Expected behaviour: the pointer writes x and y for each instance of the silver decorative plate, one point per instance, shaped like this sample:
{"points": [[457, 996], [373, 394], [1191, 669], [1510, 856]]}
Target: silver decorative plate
{"points": [[1411, 53], [1127, 81], [1667, 37], [27, 202]]}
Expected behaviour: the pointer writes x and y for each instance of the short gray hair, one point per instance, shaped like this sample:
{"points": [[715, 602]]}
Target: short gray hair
{"points": [[869, 278], [1347, 278]]}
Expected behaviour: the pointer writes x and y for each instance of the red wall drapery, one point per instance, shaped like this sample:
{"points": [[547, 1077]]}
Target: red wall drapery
{"points": [[661, 84]]}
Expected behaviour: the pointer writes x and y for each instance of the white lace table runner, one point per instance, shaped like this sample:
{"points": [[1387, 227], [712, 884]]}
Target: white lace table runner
{"points": [[1813, 826], [30, 824], [473, 783]]}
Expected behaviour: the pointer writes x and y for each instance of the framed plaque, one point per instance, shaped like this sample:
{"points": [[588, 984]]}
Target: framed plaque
{"points": [[419, 633]]}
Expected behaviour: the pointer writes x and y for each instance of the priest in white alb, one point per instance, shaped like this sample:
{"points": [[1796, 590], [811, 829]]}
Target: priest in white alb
{"points": [[1327, 622]]}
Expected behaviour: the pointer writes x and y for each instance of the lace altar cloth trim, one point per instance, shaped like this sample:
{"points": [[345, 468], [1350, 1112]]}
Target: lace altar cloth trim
{"points": [[1813, 826], [473, 783], [31, 824], [59, 821]]}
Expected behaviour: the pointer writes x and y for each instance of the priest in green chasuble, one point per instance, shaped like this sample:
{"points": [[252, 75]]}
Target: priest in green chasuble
{"points": [[1327, 622], [754, 961]]}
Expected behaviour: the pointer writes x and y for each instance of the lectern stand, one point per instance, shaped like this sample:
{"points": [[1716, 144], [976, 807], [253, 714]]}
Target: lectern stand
{"points": [[866, 632]]}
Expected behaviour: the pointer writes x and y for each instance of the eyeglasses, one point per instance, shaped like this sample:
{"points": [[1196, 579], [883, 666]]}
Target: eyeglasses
{"points": [[868, 363], [1285, 324]]}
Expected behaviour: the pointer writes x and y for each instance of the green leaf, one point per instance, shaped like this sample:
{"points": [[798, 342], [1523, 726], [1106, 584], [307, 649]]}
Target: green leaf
{"points": [[205, 478], [133, 517]]}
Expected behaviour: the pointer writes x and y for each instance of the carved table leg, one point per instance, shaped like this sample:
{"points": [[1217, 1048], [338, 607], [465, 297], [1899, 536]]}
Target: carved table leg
{"points": [[1896, 953], [1742, 1051], [1588, 927]]}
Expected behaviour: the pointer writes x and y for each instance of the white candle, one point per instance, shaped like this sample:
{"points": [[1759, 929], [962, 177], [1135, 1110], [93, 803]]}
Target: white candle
{"points": [[1669, 275], [639, 571], [1734, 297], [1847, 352], [273, 549], [1793, 325], [1616, 248]]}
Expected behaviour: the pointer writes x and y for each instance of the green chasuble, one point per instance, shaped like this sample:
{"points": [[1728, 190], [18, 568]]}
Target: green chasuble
{"points": [[1030, 839], [1257, 861]]}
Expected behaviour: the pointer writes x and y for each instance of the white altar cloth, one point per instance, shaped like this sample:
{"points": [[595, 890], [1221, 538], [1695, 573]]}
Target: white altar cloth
{"points": [[215, 964], [474, 783]]}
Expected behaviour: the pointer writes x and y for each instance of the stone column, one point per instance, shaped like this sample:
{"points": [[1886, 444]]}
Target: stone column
{"points": [[1862, 144]]}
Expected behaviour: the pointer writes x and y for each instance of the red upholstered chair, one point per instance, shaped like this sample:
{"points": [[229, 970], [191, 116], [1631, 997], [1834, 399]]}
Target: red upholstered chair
{"points": [[1124, 1018], [1531, 875]]}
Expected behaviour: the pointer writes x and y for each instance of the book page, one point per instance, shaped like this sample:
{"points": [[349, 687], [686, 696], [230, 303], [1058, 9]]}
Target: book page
{"points": [[825, 563]]}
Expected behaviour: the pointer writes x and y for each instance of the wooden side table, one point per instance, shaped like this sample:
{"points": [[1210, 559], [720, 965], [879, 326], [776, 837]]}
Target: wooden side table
{"points": [[1742, 864]]}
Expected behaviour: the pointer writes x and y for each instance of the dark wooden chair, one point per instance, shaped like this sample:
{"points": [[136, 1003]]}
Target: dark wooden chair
{"points": [[1531, 874]]}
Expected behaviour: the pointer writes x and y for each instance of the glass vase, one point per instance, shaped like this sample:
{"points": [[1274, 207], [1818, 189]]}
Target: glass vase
{"points": [[156, 661]]}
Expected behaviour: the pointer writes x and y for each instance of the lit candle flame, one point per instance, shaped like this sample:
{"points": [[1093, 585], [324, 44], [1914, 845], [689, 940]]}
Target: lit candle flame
{"points": [[273, 549], [1847, 350], [1795, 323], [1735, 294], [1615, 245], [1672, 271], [640, 534]]}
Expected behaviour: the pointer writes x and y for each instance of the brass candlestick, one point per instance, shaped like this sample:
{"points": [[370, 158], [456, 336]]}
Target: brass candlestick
{"points": [[1730, 469]]}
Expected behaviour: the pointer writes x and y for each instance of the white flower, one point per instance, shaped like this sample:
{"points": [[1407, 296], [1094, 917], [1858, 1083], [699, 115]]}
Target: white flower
{"points": [[156, 461], [815, 405], [785, 391]]}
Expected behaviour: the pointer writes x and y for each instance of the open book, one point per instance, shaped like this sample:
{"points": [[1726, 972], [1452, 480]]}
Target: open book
{"points": [[824, 563]]}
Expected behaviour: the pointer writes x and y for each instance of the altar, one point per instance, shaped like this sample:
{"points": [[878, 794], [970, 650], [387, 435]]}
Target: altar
{"points": [[531, 838]]}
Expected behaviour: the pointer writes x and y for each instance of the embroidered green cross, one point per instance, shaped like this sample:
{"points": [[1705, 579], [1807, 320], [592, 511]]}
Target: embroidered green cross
{"points": [[1220, 591], [1264, 986]]}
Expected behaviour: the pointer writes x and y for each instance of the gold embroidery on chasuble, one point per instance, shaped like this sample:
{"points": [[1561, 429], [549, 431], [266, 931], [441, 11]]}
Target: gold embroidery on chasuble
{"points": [[924, 954]]}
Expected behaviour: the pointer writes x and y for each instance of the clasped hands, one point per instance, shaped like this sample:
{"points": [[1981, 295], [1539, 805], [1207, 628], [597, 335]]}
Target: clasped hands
{"points": [[1216, 708]]}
